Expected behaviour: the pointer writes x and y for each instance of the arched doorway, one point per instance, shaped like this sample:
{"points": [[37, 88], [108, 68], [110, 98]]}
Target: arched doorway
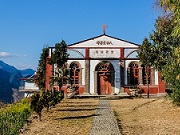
{"points": [[105, 78]]}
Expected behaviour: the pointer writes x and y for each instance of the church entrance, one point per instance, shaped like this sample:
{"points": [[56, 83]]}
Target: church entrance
{"points": [[105, 84], [104, 78]]}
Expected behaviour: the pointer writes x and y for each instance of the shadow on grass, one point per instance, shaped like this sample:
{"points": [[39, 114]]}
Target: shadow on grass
{"points": [[79, 106], [80, 109], [74, 102], [77, 117], [117, 98]]}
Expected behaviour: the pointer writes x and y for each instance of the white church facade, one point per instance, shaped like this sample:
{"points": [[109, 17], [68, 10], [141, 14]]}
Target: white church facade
{"points": [[106, 65]]}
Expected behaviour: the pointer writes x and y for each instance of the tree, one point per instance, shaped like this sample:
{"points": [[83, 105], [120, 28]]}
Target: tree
{"points": [[172, 8], [163, 41], [159, 52], [37, 104], [146, 55], [171, 75], [59, 59], [45, 99], [162, 49], [41, 70]]}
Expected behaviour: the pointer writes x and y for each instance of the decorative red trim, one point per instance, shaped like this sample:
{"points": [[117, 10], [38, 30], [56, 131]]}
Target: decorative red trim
{"points": [[131, 53], [87, 53], [122, 53]]}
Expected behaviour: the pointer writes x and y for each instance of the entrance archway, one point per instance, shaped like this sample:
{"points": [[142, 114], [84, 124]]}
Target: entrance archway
{"points": [[105, 78]]}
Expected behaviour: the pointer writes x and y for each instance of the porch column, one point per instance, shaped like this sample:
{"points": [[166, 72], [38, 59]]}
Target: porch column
{"points": [[152, 76], [68, 76], [80, 76], [128, 76], [140, 76], [95, 83], [87, 72]]}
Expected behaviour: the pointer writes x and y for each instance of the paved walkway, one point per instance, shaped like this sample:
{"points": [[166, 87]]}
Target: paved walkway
{"points": [[104, 122]]}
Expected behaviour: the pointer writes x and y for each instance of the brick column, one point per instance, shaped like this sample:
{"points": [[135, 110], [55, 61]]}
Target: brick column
{"points": [[80, 76], [49, 70], [128, 75], [140, 76], [68, 76], [95, 82], [152, 76], [87, 71]]}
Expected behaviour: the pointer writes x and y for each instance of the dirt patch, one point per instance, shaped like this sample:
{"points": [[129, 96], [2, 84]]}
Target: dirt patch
{"points": [[70, 117], [147, 116]]}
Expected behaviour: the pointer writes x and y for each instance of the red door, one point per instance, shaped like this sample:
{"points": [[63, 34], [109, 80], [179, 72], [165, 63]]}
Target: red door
{"points": [[105, 84]]}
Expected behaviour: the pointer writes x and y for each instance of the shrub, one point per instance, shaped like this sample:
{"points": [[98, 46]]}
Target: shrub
{"points": [[13, 117], [45, 99]]}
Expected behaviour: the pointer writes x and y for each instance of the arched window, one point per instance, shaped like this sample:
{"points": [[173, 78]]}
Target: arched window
{"points": [[74, 73], [146, 73], [134, 73]]}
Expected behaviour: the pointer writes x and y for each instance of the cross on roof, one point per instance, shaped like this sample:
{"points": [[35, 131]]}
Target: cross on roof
{"points": [[104, 28]]}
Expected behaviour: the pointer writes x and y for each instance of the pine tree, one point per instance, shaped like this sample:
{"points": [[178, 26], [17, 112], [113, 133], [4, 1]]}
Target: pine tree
{"points": [[59, 59], [41, 70]]}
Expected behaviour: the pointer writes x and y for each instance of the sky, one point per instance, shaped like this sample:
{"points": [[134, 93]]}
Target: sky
{"points": [[26, 26]]}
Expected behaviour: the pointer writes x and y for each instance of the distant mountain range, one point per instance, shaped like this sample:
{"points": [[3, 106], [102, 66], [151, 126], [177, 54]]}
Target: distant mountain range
{"points": [[10, 81], [26, 72]]}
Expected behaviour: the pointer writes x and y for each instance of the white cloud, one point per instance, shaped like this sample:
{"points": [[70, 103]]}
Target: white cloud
{"points": [[4, 54], [9, 55]]}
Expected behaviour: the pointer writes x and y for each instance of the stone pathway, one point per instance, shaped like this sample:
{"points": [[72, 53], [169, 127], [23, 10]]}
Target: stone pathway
{"points": [[104, 122]]}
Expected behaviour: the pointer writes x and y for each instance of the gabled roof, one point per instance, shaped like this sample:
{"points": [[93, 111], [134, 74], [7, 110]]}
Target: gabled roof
{"points": [[104, 41]]}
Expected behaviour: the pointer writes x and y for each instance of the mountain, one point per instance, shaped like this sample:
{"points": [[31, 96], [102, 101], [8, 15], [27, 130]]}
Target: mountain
{"points": [[26, 72], [6, 67], [10, 81], [6, 90]]}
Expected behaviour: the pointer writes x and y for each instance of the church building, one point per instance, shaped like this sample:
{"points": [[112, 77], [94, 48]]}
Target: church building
{"points": [[107, 65]]}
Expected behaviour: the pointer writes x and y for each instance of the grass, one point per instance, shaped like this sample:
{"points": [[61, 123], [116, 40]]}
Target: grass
{"points": [[140, 116], [71, 116], [147, 116]]}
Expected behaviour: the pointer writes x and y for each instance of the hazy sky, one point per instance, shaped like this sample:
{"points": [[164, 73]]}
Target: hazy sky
{"points": [[26, 26]]}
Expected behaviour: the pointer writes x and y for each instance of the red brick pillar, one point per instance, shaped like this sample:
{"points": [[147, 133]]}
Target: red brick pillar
{"points": [[49, 71], [121, 53]]}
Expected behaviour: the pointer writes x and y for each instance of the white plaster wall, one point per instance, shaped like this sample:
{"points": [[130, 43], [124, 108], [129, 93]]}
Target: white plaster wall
{"points": [[156, 77], [30, 86], [93, 64], [82, 63], [104, 53]]}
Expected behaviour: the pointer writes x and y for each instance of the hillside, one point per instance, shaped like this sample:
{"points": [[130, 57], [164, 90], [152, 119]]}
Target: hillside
{"points": [[26, 72], [10, 81]]}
